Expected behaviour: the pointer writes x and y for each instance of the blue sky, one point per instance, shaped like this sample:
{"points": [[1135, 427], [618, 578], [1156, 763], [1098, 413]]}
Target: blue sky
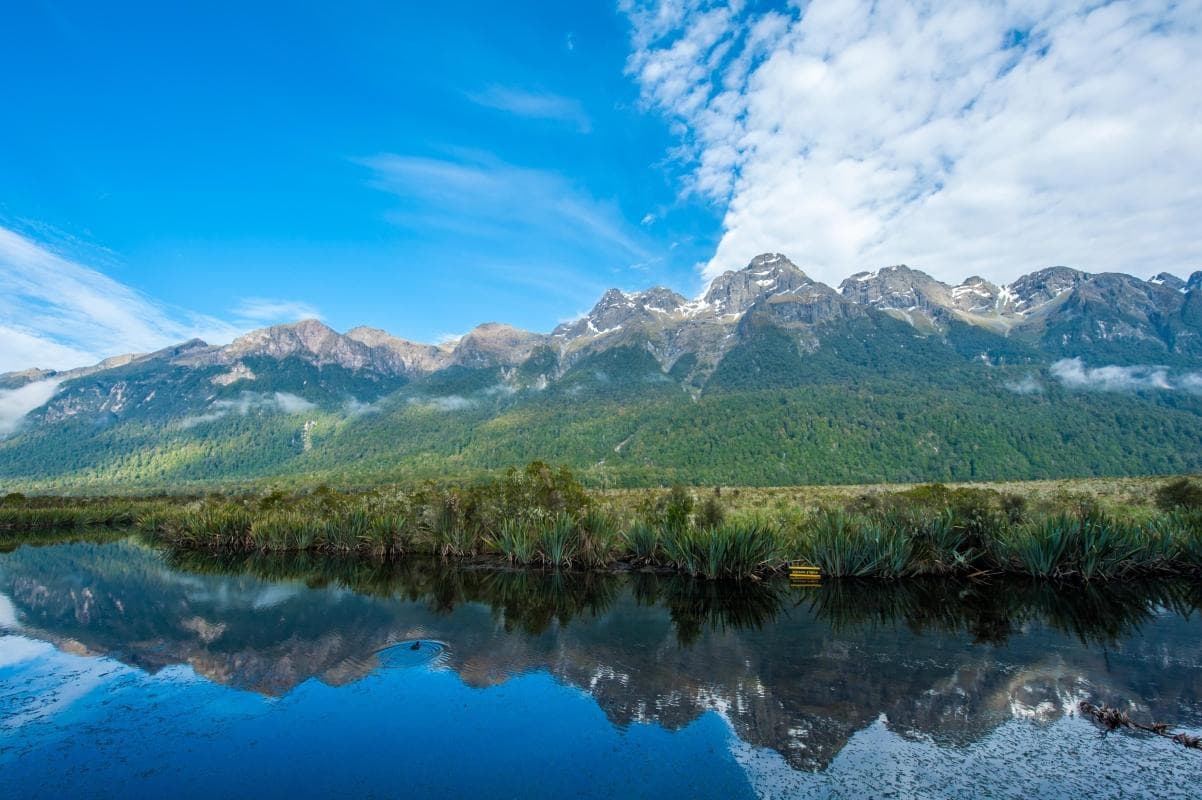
{"points": [[421, 167], [168, 172]]}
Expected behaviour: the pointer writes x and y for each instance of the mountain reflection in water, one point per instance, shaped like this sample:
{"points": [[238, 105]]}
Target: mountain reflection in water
{"points": [[800, 672]]}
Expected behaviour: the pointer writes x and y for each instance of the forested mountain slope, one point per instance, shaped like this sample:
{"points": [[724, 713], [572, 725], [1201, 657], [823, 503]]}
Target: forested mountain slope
{"points": [[768, 378]]}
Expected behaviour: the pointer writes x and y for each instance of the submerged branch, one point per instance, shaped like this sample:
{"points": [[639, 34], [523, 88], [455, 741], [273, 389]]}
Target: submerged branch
{"points": [[1112, 719]]}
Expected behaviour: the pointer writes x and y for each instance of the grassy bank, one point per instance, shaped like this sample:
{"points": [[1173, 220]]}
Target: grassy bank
{"points": [[543, 516]]}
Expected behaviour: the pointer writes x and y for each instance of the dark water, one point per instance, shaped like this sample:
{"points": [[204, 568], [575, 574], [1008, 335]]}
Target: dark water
{"points": [[125, 673]]}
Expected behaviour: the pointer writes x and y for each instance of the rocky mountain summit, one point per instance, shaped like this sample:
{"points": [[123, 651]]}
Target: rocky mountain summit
{"points": [[1056, 309], [1078, 306]]}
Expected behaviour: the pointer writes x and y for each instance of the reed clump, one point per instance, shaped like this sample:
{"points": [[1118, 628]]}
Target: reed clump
{"points": [[542, 517]]}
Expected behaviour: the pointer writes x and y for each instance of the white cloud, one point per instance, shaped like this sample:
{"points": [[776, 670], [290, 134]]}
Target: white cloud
{"points": [[292, 404], [1073, 373], [267, 310], [357, 408], [16, 403], [451, 403], [535, 105], [507, 207], [1028, 385], [448, 403], [57, 313], [1191, 382], [964, 138], [277, 402]]}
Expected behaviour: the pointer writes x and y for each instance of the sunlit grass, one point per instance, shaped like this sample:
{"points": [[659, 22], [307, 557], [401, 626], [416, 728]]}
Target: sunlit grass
{"points": [[543, 517]]}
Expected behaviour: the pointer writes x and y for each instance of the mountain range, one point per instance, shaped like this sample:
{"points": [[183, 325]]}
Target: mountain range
{"points": [[769, 377]]}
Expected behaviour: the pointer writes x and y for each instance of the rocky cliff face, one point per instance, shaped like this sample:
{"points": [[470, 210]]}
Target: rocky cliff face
{"points": [[770, 288], [308, 340], [401, 355], [1169, 281], [618, 312], [733, 293], [494, 344], [1034, 291]]}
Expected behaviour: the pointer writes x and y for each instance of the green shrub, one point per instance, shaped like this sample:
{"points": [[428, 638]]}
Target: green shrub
{"points": [[516, 541], [1181, 493], [557, 540], [711, 513], [842, 545], [642, 542], [597, 538]]}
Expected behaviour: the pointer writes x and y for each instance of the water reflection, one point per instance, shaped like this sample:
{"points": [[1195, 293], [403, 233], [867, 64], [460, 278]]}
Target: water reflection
{"points": [[796, 671]]}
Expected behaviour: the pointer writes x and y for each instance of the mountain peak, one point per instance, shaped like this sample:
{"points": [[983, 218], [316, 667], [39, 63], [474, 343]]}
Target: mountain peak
{"points": [[619, 311], [1169, 281], [279, 341], [402, 355], [764, 260], [768, 274], [495, 344], [1038, 288], [901, 291]]}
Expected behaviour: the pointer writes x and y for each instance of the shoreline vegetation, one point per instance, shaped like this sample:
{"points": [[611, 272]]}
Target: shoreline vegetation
{"points": [[541, 516]]}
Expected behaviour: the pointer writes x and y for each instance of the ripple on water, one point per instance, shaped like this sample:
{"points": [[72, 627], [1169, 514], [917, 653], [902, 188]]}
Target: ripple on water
{"points": [[412, 653]]}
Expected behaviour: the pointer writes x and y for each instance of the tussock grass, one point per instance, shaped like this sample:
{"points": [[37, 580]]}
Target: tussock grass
{"points": [[539, 516]]}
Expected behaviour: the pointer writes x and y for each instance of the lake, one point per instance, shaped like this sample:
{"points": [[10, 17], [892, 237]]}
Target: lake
{"points": [[126, 671]]}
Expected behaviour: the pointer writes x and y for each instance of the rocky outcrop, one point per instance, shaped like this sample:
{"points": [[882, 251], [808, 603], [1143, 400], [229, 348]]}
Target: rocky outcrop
{"points": [[495, 345], [1169, 281], [408, 358], [617, 312], [1032, 292], [732, 293]]}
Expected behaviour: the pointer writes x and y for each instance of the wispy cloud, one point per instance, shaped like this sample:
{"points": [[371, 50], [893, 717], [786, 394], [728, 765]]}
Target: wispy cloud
{"points": [[1028, 385], [277, 402], [476, 193], [970, 137], [1074, 374], [534, 105], [58, 313], [357, 408], [447, 403], [526, 225], [271, 310], [16, 403]]}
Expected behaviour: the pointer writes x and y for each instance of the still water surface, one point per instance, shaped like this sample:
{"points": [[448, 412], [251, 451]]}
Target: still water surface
{"points": [[125, 672]]}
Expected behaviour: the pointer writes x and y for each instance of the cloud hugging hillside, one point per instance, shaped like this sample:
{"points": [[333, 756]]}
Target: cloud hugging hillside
{"points": [[770, 377]]}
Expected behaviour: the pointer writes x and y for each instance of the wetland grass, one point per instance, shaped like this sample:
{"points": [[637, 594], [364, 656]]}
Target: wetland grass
{"points": [[542, 517]]}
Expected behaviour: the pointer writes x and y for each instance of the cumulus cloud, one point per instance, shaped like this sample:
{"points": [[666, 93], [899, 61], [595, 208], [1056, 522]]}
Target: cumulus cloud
{"points": [[245, 403], [1072, 373], [533, 104], [973, 137], [16, 403], [58, 313]]}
